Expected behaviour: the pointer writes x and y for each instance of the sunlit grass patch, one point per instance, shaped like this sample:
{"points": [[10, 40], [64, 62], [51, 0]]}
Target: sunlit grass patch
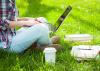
{"points": [[84, 18]]}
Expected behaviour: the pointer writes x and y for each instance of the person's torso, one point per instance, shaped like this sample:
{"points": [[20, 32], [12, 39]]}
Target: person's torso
{"points": [[7, 11]]}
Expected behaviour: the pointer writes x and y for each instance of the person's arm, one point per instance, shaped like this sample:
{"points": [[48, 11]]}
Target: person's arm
{"points": [[25, 19], [13, 24], [4, 23]]}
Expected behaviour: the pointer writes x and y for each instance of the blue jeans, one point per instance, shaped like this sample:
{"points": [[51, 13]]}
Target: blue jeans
{"points": [[25, 37]]}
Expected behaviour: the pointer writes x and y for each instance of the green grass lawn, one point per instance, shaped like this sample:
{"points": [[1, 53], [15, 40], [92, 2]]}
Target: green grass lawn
{"points": [[84, 18]]}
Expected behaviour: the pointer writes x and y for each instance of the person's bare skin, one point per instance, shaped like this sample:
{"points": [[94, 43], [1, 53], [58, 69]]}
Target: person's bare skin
{"points": [[21, 22], [25, 19]]}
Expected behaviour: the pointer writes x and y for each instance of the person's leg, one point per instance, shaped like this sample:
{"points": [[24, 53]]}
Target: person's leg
{"points": [[25, 39]]}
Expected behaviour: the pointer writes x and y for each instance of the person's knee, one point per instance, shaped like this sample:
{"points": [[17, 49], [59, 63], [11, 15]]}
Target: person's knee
{"points": [[42, 26], [44, 37]]}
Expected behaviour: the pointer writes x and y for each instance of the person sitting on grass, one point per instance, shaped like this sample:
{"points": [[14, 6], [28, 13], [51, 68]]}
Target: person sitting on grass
{"points": [[18, 41]]}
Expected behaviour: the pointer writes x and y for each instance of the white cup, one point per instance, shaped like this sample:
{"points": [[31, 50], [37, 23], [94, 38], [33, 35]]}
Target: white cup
{"points": [[50, 55]]}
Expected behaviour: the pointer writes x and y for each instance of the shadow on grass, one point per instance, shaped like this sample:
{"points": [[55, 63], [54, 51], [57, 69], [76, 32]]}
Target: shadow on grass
{"points": [[17, 62], [86, 23], [36, 9]]}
